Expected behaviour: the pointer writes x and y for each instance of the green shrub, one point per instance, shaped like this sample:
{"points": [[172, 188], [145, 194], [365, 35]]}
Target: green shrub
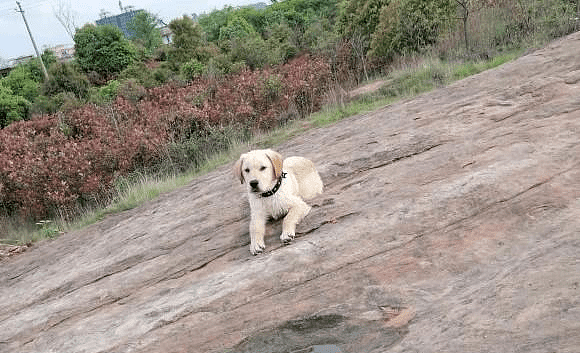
{"points": [[237, 27], [23, 82], [60, 101], [281, 43], [409, 25], [64, 77], [140, 73], [145, 32], [253, 51], [161, 74], [105, 94], [272, 88], [192, 69], [188, 43], [103, 49], [131, 90], [12, 107], [360, 17]]}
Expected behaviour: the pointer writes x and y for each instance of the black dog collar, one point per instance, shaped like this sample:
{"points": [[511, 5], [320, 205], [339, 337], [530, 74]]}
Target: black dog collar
{"points": [[275, 188]]}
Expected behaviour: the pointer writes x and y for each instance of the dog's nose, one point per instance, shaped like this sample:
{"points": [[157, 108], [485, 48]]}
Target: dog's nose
{"points": [[254, 184]]}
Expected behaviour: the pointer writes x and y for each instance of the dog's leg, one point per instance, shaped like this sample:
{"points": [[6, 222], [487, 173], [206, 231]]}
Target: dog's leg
{"points": [[257, 230], [295, 214]]}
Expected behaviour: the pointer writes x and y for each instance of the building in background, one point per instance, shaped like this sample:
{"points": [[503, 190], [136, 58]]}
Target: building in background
{"points": [[63, 53], [123, 19], [166, 34], [120, 21]]}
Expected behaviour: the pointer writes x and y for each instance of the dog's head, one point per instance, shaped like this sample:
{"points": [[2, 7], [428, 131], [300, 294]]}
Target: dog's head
{"points": [[260, 169]]}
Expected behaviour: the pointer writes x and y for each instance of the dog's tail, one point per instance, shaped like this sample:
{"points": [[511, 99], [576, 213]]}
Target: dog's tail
{"points": [[309, 182]]}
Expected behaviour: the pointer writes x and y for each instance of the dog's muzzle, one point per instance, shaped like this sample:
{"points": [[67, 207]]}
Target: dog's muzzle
{"points": [[254, 185]]}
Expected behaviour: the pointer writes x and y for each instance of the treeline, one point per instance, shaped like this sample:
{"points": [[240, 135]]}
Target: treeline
{"points": [[137, 104], [358, 37]]}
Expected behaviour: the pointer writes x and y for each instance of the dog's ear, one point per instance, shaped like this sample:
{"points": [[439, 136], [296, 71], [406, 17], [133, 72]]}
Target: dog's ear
{"points": [[238, 169], [276, 159]]}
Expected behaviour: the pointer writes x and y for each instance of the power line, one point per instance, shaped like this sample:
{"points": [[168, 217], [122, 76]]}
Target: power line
{"points": [[33, 43], [7, 10]]}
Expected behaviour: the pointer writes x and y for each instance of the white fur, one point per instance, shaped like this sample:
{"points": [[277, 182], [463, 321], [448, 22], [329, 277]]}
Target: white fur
{"points": [[259, 170]]}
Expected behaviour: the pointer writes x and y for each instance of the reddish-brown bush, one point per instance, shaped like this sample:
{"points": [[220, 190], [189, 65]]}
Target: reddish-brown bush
{"points": [[72, 157]]}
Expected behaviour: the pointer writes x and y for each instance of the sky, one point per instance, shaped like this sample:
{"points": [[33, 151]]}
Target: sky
{"points": [[48, 32]]}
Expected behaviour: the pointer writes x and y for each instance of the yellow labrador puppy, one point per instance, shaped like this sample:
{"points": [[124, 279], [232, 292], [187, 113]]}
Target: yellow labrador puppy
{"points": [[276, 188]]}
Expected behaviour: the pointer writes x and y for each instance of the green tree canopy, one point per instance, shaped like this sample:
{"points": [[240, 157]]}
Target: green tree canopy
{"points": [[144, 31], [12, 107], [237, 27], [360, 17], [66, 78], [188, 42], [22, 82], [103, 49], [214, 21], [409, 25]]}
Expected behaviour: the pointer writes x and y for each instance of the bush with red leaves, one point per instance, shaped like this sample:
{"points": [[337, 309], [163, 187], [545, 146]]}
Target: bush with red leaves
{"points": [[69, 158]]}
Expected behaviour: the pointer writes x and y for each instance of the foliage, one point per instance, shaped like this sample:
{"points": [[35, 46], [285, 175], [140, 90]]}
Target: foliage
{"points": [[409, 25], [72, 157], [250, 69], [144, 31], [360, 16], [22, 82], [250, 50], [192, 69], [281, 43], [321, 38], [188, 43], [12, 107], [66, 78], [140, 73], [237, 27], [48, 58], [298, 14], [67, 158], [212, 23], [294, 16], [131, 90], [104, 94], [103, 49]]}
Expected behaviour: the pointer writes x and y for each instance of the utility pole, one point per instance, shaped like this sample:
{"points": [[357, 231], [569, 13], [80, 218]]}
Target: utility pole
{"points": [[33, 43]]}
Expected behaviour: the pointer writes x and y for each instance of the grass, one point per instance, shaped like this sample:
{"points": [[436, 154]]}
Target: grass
{"points": [[137, 189]]}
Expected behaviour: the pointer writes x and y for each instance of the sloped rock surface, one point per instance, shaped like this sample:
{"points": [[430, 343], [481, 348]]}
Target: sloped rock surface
{"points": [[449, 223]]}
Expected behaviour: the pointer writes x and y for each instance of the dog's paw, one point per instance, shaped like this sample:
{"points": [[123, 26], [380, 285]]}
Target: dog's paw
{"points": [[287, 238], [256, 249]]}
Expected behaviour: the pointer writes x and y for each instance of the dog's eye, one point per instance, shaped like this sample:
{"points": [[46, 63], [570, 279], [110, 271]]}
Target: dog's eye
{"points": [[247, 170], [262, 168]]}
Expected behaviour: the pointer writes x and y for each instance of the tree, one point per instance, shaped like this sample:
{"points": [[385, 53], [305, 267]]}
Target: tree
{"points": [[188, 43], [64, 77], [66, 17], [360, 17], [12, 107], [237, 27], [144, 31], [409, 25], [103, 49], [214, 21], [22, 82]]}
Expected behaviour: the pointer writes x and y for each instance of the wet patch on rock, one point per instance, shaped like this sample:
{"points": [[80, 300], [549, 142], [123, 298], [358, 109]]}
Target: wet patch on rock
{"points": [[329, 333]]}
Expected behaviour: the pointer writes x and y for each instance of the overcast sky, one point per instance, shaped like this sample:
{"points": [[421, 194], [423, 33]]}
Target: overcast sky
{"points": [[48, 32]]}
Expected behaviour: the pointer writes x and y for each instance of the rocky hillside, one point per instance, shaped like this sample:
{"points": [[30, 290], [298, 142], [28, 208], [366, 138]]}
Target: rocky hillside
{"points": [[449, 223]]}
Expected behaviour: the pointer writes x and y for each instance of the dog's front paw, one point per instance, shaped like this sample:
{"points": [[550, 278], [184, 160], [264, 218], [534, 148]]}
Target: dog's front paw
{"points": [[287, 238], [257, 248]]}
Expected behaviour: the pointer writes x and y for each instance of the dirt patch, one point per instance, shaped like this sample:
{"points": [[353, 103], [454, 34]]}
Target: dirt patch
{"points": [[365, 89], [11, 250]]}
